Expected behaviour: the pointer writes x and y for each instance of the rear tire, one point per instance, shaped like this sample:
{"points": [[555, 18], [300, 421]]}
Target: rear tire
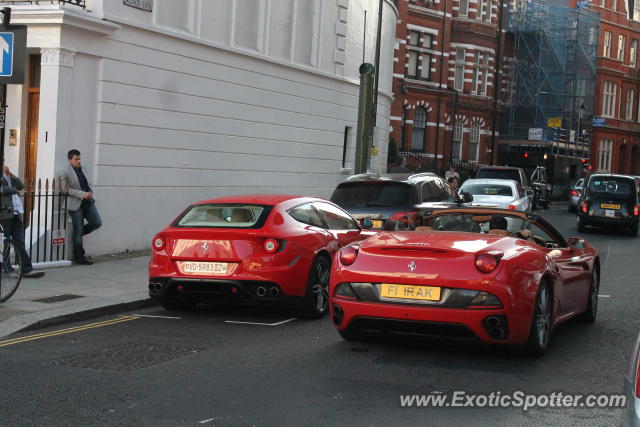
{"points": [[581, 225], [316, 300], [545, 204], [540, 323], [591, 312], [633, 231]]}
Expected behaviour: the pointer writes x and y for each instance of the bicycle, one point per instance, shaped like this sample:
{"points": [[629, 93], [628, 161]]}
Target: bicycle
{"points": [[12, 267]]}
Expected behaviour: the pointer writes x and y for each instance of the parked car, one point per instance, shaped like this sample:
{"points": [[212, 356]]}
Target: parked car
{"points": [[632, 389], [382, 198], [542, 188], [609, 201], [506, 287], [575, 193], [497, 193], [506, 172], [272, 249]]}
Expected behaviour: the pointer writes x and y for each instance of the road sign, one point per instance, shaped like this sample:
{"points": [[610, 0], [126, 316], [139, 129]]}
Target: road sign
{"points": [[57, 237], [535, 134], [597, 121], [554, 122], [13, 46]]}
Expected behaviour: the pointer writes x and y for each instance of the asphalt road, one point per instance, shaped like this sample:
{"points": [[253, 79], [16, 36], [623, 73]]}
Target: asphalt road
{"points": [[201, 368]]}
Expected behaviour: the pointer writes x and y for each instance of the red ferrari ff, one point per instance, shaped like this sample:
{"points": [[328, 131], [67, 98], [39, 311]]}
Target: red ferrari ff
{"points": [[263, 248], [495, 275]]}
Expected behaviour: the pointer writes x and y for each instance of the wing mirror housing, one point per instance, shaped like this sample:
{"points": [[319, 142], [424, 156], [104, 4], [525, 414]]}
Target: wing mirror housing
{"points": [[366, 223], [466, 197]]}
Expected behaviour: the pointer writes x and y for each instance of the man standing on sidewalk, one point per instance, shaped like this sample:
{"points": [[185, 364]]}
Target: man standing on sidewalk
{"points": [[80, 204], [11, 212]]}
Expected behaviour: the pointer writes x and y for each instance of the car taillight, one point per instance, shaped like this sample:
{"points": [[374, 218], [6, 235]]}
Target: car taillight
{"points": [[349, 254], [636, 210], [512, 207], [574, 193], [398, 215], [487, 262], [584, 207], [159, 243], [271, 246]]}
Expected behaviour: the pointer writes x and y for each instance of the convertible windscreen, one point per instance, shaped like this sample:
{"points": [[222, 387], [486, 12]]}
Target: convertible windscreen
{"points": [[224, 216]]}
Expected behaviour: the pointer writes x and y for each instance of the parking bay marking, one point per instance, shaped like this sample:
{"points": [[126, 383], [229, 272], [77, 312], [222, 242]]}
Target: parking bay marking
{"points": [[157, 317], [119, 319], [604, 296], [259, 323]]}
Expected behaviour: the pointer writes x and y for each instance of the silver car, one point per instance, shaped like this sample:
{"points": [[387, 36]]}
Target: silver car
{"points": [[574, 195], [632, 389], [498, 193]]}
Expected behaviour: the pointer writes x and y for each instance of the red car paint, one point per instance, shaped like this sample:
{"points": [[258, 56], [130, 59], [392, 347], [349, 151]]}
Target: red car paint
{"points": [[446, 259]]}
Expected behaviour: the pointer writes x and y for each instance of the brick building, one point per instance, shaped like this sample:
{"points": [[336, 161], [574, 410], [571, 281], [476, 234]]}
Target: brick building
{"points": [[444, 80], [616, 145]]}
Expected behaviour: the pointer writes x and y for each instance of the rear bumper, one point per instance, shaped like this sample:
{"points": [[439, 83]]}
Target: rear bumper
{"points": [[600, 221]]}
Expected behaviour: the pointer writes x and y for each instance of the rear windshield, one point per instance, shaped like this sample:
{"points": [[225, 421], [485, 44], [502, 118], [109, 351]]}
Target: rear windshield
{"points": [[355, 195], [488, 189], [224, 216], [611, 185], [499, 174]]}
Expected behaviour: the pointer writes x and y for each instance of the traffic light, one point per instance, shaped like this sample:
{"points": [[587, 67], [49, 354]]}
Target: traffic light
{"points": [[583, 161], [526, 155]]}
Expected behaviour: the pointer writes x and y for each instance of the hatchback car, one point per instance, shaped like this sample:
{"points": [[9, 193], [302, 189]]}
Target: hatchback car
{"points": [[383, 198], [272, 249], [497, 193], [610, 201]]}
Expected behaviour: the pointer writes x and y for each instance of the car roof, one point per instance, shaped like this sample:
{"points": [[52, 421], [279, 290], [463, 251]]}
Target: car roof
{"points": [[260, 199], [392, 177], [499, 167], [490, 181], [612, 175]]}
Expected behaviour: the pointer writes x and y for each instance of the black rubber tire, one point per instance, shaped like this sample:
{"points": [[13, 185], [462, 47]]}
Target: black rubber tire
{"points": [[539, 339], [591, 312], [633, 231], [545, 204], [317, 287], [581, 225]]}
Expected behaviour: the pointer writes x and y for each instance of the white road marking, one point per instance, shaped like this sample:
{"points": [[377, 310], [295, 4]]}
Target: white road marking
{"points": [[208, 420], [261, 324], [604, 296], [158, 317], [608, 250]]}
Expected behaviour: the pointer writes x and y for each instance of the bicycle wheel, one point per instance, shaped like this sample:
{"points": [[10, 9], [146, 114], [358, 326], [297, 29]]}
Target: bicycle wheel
{"points": [[11, 269]]}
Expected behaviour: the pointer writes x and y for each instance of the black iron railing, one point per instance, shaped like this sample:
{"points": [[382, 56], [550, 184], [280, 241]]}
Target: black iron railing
{"points": [[79, 3], [421, 162], [45, 221]]}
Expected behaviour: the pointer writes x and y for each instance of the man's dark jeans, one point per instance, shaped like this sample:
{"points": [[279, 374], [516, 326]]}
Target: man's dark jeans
{"points": [[89, 212], [14, 230]]}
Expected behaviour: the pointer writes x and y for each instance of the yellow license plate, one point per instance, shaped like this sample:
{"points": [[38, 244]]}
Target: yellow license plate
{"points": [[425, 293], [608, 206], [377, 223]]}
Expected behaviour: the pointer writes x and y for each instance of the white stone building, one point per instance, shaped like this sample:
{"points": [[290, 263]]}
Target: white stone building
{"points": [[173, 101]]}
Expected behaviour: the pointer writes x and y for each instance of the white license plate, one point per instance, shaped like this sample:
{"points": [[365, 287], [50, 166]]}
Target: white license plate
{"points": [[609, 213], [203, 268]]}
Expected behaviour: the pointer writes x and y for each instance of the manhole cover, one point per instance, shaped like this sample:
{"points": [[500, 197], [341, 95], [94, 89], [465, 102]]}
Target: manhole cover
{"points": [[58, 298], [126, 357]]}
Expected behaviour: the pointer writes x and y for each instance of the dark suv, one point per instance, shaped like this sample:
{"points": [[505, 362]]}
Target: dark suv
{"points": [[381, 198], [506, 172], [609, 201]]}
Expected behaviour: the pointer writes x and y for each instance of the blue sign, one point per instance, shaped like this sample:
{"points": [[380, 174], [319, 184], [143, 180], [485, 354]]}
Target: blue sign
{"points": [[597, 121], [6, 54]]}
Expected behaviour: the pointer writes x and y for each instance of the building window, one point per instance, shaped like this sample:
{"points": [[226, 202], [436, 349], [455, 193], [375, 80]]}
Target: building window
{"points": [[628, 111], [609, 99], [606, 52], [633, 53], [464, 8], [620, 55], [459, 71], [605, 155], [484, 10], [419, 124], [456, 148], [419, 57], [474, 141], [480, 73], [636, 11]]}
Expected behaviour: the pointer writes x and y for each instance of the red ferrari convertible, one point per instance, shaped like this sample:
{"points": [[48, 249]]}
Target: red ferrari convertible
{"points": [[499, 276], [263, 248]]}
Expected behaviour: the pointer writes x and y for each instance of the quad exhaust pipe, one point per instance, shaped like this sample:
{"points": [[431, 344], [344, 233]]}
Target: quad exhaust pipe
{"points": [[156, 286], [261, 291], [496, 327]]}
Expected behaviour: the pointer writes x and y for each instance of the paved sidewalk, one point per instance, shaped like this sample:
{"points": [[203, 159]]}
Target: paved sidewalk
{"points": [[112, 283]]}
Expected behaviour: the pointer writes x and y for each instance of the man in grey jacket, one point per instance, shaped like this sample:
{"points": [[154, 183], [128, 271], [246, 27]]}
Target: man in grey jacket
{"points": [[11, 211], [80, 204]]}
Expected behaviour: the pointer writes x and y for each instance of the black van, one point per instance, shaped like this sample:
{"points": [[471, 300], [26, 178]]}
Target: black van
{"points": [[609, 201]]}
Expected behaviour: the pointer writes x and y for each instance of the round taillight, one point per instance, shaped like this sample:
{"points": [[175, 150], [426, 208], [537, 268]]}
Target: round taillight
{"points": [[159, 243], [348, 255], [488, 261], [636, 210], [271, 246], [512, 207], [584, 207]]}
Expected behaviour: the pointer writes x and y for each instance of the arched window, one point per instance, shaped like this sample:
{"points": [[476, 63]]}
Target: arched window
{"points": [[419, 124], [474, 141], [456, 148]]}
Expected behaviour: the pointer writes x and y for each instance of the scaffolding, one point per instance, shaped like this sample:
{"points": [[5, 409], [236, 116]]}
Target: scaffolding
{"points": [[552, 74]]}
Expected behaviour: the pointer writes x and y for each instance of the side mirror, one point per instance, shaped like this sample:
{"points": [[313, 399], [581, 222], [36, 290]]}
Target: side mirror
{"points": [[366, 223], [466, 197]]}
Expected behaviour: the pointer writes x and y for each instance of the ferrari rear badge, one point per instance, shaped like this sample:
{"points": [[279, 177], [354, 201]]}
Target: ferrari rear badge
{"points": [[412, 266], [205, 247]]}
